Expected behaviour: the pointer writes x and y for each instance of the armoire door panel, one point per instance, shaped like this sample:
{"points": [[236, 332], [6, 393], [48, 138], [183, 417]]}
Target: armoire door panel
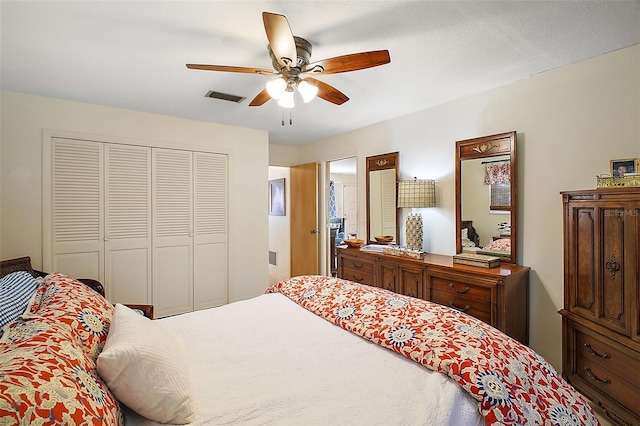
{"points": [[584, 279], [612, 267]]}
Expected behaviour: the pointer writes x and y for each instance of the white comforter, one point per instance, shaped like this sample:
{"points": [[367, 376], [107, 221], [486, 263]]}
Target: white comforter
{"points": [[269, 361]]}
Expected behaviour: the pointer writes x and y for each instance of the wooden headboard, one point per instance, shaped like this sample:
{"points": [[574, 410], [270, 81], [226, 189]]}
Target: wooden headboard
{"points": [[15, 265], [24, 264], [471, 234]]}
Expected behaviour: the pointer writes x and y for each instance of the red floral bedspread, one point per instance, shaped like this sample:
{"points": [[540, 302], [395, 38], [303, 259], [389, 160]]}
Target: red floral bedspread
{"points": [[512, 383]]}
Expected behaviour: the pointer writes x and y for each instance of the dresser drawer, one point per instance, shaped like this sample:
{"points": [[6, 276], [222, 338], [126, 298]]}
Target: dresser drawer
{"points": [[598, 350], [461, 288], [359, 276], [358, 265], [478, 308]]}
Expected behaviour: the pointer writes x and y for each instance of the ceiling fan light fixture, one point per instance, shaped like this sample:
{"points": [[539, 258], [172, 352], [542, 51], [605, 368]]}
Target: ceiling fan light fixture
{"points": [[307, 90], [276, 88], [286, 100]]}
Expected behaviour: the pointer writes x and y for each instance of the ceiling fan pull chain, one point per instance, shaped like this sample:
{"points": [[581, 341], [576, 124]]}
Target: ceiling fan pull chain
{"points": [[290, 119], [282, 118]]}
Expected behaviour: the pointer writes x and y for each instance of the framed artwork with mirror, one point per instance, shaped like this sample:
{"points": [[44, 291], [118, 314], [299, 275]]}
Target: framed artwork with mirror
{"points": [[486, 196]]}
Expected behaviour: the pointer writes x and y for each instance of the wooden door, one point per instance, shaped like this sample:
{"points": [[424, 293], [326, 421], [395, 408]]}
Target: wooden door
{"points": [[304, 219]]}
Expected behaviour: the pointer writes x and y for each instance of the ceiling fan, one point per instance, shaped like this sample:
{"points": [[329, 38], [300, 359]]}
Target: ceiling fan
{"points": [[290, 57]]}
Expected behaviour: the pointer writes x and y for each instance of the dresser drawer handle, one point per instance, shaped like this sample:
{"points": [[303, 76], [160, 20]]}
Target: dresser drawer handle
{"points": [[357, 279], [594, 378], [596, 354], [465, 309], [459, 291], [357, 265]]}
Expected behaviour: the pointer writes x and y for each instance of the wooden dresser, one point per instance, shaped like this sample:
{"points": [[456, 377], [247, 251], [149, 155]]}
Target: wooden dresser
{"points": [[497, 296], [601, 317]]}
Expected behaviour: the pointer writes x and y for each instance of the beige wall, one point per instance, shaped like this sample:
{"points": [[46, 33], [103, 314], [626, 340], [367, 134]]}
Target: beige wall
{"points": [[570, 123], [25, 117], [280, 232]]}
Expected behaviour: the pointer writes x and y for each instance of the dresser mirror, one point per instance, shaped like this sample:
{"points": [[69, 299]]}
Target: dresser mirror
{"points": [[486, 201], [382, 213]]}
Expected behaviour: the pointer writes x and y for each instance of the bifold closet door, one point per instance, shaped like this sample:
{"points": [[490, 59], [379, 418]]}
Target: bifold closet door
{"points": [[128, 223], [210, 276], [172, 231], [74, 218]]}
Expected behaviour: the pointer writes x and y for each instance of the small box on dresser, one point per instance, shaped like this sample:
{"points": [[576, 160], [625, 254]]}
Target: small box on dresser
{"points": [[601, 315]]}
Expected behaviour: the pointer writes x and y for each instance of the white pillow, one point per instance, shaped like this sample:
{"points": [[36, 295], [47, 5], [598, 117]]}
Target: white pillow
{"points": [[144, 368]]}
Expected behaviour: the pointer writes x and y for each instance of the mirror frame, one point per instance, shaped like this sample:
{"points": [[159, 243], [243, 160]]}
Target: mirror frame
{"points": [[381, 162], [487, 147]]}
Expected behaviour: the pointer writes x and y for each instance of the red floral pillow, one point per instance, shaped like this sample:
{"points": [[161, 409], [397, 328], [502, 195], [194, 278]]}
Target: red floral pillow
{"points": [[70, 303], [46, 378]]}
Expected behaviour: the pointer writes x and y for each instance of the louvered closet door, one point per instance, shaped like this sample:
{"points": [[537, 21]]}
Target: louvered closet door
{"points": [[77, 208], [172, 232], [210, 239], [128, 223]]}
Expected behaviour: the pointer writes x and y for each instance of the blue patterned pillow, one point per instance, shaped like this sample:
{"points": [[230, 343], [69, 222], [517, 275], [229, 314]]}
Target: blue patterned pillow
{"points": [[15, 291]]}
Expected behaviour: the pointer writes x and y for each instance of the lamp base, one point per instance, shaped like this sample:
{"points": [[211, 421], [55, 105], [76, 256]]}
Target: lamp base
{"points": [[413, 231]]}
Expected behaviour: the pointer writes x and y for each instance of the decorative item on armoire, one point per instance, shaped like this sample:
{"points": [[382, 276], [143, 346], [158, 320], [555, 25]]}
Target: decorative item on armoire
{"points": [[415, 194]]}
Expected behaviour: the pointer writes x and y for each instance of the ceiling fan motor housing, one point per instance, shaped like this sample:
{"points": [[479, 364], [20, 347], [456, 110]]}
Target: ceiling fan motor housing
{"points": [[303, 51]]}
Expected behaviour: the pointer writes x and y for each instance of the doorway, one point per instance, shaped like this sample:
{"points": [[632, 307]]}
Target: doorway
{"points": [[342, 209]]}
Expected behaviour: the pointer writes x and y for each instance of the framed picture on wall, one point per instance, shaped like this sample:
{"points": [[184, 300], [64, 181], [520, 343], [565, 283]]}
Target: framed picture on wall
{"points": [[276, 197], [625, 166]]}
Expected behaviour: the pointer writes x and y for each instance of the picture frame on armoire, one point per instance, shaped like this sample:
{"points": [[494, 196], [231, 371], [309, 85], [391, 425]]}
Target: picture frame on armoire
{"points": [[277, 197], [620, 168]]}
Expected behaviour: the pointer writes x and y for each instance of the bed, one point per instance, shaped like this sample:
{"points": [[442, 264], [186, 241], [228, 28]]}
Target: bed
{"points": [[311, 350]]}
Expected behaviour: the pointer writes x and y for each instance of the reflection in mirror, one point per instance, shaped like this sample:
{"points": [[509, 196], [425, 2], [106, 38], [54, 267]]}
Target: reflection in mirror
{"points": [[486, 197], [382, 198], [382, 176]]}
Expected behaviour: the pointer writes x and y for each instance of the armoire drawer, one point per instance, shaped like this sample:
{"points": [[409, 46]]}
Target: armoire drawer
{"points": [[598, 349], [617, 387], [461, 288], [478, 308], [359, 276]]}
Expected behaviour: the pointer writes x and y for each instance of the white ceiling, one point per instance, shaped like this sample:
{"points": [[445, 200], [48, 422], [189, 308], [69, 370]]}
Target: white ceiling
{"points": [[132, 54]]}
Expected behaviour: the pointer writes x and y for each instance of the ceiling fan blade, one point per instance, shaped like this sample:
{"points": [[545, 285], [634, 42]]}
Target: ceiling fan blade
{"points": [[280, 38], [227, 68], [352, 62], [260, 99], [328, 92]]}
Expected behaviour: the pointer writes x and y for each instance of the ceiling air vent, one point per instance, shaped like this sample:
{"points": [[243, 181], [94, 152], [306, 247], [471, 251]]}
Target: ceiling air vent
{"points": [[224, 96]]}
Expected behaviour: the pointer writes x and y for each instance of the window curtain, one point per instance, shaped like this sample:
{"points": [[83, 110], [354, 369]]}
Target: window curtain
{"points": [[497, 173], [332, 199]]}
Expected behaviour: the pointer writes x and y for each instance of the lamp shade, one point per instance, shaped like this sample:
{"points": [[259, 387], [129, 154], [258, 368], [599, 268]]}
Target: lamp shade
{"points": [[286, 101], [307, 90], [276, 88], [417, 193]]}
